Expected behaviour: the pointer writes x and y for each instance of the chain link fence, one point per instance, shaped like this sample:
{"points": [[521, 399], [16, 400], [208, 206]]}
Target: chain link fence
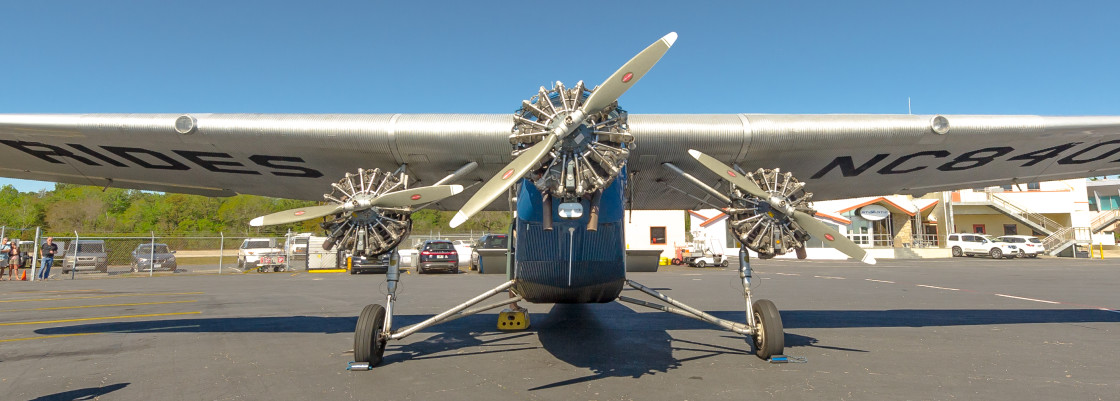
{"points": [[104, 255]]}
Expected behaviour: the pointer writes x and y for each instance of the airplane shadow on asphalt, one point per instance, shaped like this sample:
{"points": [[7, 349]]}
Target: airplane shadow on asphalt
{"points": [[611, 340]]}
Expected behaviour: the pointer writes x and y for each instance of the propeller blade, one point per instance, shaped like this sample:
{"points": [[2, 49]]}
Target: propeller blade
{"points": [[625, 77], [729, 174], [830, 236], [503, 180], [416, 196], [294, 215]]}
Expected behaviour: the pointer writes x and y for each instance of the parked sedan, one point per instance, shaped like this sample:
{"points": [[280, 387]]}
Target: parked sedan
{"points": [[145, 257], [1029, 247], [438, 255]]}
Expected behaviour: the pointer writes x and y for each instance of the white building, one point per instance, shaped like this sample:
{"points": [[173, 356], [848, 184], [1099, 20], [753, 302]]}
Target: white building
{"points": [[903, 226]]}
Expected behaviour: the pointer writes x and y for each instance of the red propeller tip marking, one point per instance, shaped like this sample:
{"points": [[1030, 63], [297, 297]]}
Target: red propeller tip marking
{"points": [[829, 237], [507, 174], [416, 197], [300, 213], [730, 173], [626, 78]]}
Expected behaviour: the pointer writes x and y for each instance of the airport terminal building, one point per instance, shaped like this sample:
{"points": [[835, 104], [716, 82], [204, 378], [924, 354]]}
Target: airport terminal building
{"points": [[1063, 214]]}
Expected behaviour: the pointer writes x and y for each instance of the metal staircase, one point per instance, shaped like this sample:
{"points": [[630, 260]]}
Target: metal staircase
{"points": [[1059, 238], [1033, 220], [1104, 220]]}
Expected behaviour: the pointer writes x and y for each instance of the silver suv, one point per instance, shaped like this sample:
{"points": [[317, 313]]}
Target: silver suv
{"points": [[86, 254], [981, 244]]}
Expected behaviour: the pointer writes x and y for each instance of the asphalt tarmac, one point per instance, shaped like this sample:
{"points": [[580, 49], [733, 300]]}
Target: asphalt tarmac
{"points": [[964, 328]]}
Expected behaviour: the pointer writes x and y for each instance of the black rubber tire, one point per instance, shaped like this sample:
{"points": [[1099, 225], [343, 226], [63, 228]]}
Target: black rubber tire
{"points": [[724, 263], [801, 253], [675, 262], [771, 339], [1034, 256], [957, 252], [455, 271], [1022, 254], [420, 270], [701, 264], [995, 253], [367, 346], [240, 264], [765, 256]]}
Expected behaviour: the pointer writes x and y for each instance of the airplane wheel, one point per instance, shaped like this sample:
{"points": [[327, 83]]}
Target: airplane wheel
{"points": [[801, 253], [770, 339], [368, 345], [701, 264], [957, 252]]}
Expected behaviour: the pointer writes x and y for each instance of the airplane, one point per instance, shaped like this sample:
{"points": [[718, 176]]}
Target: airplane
{"points": [[569, 162]]}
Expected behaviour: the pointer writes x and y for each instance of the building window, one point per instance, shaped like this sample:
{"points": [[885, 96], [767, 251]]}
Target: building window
{"points": [[1007, 188], [978, 229], [1010, 229], [657, 236], [1033, 186]]}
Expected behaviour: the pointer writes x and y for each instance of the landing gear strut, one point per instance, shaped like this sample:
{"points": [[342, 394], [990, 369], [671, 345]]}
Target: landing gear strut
{"points": [[375, 325], [764, 323]]}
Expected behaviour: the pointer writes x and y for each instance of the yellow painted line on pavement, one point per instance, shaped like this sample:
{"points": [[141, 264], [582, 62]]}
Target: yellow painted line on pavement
{"points": [[86, 319], [38, 291], [46, 337], [155, 294], [98, 306], [294, 274]]}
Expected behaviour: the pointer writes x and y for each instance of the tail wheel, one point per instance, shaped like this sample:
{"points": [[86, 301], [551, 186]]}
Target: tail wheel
{"points": [[957, 252], [769, 337], [368, 345], [996, 253]]}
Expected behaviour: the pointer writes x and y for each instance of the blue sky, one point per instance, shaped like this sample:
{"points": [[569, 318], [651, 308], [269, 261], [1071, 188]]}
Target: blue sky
{"points": [[966, 57]]}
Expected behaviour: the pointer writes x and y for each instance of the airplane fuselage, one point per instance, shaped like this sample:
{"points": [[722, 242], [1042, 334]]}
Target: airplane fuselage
{"points": [[569, 264]]}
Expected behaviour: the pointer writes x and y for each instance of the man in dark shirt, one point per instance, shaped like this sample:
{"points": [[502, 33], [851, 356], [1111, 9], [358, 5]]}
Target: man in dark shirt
{"points": [[47, 252]]}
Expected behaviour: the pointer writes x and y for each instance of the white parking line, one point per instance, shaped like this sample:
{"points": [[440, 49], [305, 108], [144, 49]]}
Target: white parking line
{"points": [[1027, 299], [880, 281], [831, 277], [938, 288]]}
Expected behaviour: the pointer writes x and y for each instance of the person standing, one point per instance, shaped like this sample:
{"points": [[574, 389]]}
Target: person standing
{"points": [[4, 248], [46, 254], [13, 260]]}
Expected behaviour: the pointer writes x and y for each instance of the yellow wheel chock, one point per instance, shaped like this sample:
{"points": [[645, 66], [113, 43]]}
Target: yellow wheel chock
{"points": [[512, 320]]}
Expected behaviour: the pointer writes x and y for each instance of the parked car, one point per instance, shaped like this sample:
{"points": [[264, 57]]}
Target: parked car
{"points": [[86, 254], [251, 250], [488, 241], [464, 247], [367, 264], [146, 257], [438, 255], [980, 244], [1029, 247]]}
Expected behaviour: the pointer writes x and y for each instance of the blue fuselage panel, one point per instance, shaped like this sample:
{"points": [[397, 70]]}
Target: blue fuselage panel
{"points": [[570, 264]]}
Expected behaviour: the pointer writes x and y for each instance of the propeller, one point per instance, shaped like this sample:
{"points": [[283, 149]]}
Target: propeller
{"points": [[807, 222], [603, 96], [403, 198]]}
